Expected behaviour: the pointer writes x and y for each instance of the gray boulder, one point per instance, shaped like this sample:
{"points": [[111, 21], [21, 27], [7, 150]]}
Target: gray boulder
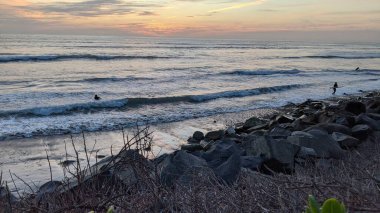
{"points": [[331, 127], [374, 116], [251, 162], [355, 107], [192, 147], [198, 135], [278, 132], [364, 119], [305, 153], [374, 107], [224, 158], [253, 122], [348, 121], [214, 135], [181, 167], [361, 131], [47, 189], [277, 154], [323, 144], [345, 141]]}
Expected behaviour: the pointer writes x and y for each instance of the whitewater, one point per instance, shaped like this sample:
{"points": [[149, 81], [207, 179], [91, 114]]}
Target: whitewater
{"points": [[47, 83]]}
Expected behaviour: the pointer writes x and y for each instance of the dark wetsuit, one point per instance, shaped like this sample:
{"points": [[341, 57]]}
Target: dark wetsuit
{"points": [[334, 87]]}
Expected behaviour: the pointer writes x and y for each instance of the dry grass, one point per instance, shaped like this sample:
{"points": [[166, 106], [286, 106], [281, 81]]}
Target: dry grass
{"points": [[353, 180]]}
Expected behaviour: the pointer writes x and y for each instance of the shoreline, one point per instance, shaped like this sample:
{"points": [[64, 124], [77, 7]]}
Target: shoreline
{"points": [[283, 143], [32, 165]]}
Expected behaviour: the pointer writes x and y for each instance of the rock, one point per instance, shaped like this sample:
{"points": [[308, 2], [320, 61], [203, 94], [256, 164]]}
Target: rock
{"points": [[331, 127], [374, 107], [277, 154], [278, 132], [198, 135], [361, 131], [229, 170], [323, 144], [258, 132], [253, 122], [206, 144], [224, 158], [284, 119], [230, 131], [180, 166], [374, 116], [258, 127], [214, 135], [306, 153], [192, 147], [251, 162], [105, 170], [326, 117], [355, 107], [348, 121], [345, 141], [298, 125], [364, 119], [191, 140], [47, 189]]}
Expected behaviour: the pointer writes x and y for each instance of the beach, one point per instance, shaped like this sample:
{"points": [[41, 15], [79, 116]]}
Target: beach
{"points": [[189, 96], [251, 149]]}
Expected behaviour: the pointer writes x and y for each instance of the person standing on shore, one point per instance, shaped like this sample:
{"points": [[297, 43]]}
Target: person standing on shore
{"points": [[334, 88]]}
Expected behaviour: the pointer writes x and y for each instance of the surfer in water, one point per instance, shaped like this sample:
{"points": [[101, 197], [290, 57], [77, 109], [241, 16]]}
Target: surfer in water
{"points": [[334, 87], [357, 68], [96, 97]]}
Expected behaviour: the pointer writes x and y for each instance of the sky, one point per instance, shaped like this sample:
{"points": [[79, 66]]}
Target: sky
{"points": [[315, 19]]}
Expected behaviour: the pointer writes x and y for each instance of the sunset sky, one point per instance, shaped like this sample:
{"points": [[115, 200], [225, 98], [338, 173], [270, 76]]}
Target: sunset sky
{"points": [[191, 18]]}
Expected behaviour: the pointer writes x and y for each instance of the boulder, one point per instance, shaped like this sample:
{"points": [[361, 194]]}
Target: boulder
{"points": [[364, 119], [278, 132], [277, 154], [180, 166], [306, 153], [198, 135], [253, 122], [361, 131], [224, 158], [230, 131], [206, 144], [374, 116], [284, 119], [348, 121], [258, 127], [251, 162], [47, 189], [331, 127], [214, 135], [191, 140], [192, 147], [323, 144], [355, 107], [374, 107], [298, 124], [345, 141]]}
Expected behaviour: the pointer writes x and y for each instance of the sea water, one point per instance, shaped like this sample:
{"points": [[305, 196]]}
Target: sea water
{"points": [[47, 83]]}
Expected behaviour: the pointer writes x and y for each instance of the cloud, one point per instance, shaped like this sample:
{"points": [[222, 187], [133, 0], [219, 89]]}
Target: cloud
{"points": [[238, 6], [90, 8], [147, 13]]}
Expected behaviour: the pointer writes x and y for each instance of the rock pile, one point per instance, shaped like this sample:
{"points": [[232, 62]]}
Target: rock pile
{"points": [[313, 130]]}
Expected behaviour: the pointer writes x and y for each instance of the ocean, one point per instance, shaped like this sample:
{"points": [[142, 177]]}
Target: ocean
{"points": [[48, 83]]}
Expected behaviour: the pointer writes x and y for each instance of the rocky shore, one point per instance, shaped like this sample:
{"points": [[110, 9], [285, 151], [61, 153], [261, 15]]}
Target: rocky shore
{"points": [[323, 135]]}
